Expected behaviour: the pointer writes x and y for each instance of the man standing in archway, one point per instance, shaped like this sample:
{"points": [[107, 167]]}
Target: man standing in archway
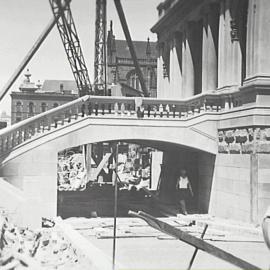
{"points": [[183, 187]]}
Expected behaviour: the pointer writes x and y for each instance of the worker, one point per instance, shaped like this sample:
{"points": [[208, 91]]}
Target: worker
{"points": [[183, 187]]}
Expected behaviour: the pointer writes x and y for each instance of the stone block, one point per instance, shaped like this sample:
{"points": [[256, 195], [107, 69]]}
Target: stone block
{"points": [[10, 169], [264, 175], [264, 161], [241, 188], [264, 190]]}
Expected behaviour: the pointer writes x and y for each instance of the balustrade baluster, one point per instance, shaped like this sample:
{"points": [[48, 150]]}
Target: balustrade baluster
{"points": [[174, 110], [25, 134], [167, 108], [90, 108], [76, 110], [19, 136], [7, 142], [83, 110], [13, 138], [103, 109], [160, 110], [122, 108], [214, 108], [116, 108], [96, 108], [110, 108], [1, 145], [196, 111], [128, 109]]}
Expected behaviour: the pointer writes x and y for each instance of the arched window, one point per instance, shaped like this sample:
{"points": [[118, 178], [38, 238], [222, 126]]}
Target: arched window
{"points": [[133, 80], [43, 107], [55, 105], [18, 107], [31, 108]]}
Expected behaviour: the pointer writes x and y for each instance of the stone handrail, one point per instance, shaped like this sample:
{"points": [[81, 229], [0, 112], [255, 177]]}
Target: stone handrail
{"points": [[26, 129], [100, 106]]}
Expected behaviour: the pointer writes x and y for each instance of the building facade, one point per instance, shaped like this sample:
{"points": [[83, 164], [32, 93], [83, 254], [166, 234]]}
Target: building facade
{"points": [[121, 69], [222, 47], [32, 99]]}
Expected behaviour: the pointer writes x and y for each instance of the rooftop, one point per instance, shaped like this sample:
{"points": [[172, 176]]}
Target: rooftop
{"points": [[59, 86], [122, 49]]}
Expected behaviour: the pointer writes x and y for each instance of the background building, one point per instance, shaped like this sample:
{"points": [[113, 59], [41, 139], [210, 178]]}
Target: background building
{"points": [[32, 99], [121, 70]]}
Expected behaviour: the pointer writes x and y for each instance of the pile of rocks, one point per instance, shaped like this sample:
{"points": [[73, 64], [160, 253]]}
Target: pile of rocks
{"points": [[22, 248]]}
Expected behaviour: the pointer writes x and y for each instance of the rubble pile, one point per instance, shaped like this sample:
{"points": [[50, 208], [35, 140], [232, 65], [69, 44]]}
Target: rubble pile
{"points": [[22, 248]]}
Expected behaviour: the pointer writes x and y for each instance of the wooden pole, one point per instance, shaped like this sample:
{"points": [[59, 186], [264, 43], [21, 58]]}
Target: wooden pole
{"points": [[124, 24], [194, 241], [115, 203], [196, 250]]}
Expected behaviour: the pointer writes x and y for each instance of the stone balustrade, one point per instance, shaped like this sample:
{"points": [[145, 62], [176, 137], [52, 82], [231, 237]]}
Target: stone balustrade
{"points": [[105, 106]]}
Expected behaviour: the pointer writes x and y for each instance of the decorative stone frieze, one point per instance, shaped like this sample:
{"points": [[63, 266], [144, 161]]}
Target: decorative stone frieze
{"points": [[244, 140]]}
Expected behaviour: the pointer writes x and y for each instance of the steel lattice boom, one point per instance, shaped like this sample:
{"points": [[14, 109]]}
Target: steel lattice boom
{"points": [[71, 43], [100, 48]]}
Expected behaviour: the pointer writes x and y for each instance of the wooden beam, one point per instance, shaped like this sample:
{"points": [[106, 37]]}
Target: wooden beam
{"points": [[194, 241]]}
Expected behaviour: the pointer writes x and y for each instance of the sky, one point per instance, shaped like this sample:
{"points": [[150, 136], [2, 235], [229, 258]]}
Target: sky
{"points": [[22, 21]]}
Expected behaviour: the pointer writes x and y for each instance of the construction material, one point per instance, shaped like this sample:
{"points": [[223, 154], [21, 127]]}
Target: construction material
{"points": [[194, 241], [100, 65], [41, 249], [96, 257], [196, 249], [124, 24], [71, 42], [115, 202]]}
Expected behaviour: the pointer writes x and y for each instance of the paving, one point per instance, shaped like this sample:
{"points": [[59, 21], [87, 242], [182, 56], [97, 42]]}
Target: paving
{"points": [[142, 247]]}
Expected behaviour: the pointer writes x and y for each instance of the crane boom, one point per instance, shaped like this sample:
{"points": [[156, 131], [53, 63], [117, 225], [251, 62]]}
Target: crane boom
{"points": [[70, 39]]}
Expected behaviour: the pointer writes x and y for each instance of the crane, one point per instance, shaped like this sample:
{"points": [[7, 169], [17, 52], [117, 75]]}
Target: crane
{"points": [[61, 9], [70, 40]]}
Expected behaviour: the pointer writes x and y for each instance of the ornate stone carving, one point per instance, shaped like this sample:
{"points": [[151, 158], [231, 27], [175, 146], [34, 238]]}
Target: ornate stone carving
{"points": [[244, 140], [234, 31]]}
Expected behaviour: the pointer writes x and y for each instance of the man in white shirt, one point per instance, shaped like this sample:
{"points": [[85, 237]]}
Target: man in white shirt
{"points": [[183, 188]]}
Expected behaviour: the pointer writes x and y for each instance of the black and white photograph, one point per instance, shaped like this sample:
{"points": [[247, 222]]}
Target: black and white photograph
{"points": [[135, 134]]}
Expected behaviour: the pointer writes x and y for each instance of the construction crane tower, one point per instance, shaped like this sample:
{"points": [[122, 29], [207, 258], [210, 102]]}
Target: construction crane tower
{"points": [[100, 64]]}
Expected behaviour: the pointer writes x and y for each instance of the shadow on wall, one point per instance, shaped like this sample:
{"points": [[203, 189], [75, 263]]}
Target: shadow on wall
{"points": [[200, 170]]}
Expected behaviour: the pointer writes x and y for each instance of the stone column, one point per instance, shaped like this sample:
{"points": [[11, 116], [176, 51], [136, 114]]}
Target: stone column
{"points": [[188, 82], [175, 67], [230, 59], [258, 43], [209, 51]]}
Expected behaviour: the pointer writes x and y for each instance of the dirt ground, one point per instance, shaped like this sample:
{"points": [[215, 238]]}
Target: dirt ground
{"points": [[141, 247]]}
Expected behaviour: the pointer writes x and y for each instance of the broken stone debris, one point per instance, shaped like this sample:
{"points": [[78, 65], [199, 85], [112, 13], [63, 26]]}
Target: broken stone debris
{"points": [[22, 248]]}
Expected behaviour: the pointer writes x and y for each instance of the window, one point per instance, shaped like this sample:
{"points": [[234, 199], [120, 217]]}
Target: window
{"points": [[43, 107], [153, 81], [55, 105], [18, 119], [18, 108], [133, 80], [31, 109]]}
